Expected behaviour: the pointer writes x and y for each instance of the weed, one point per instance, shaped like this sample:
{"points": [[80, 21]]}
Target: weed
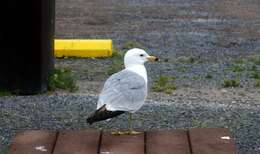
{"points": [[237, 67], [255, 60], [130, 44], [239, 61], [4, 92], [164, 84], [116, 66], [253, 68], [196, 77], [198, 123], [62, 79], [231, 82], [208, 76], [117, 54], [257, 85], [255, 75], [182, 69]]}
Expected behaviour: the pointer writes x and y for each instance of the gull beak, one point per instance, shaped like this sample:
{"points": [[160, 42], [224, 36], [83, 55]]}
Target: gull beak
{"points": [[152, 58]]}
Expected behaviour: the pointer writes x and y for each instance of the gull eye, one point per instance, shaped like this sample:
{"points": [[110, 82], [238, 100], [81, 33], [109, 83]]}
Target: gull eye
{"points": [[141, 55]]}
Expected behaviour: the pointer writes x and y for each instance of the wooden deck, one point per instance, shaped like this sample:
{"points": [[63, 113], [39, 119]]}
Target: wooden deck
{"points": [[193, 141]]}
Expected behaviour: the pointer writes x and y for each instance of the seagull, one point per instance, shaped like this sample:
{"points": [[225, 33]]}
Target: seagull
{"points": [[124, 91]]}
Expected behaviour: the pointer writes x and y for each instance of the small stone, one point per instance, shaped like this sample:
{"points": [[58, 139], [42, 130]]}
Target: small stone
{"points": [[223, 91]]}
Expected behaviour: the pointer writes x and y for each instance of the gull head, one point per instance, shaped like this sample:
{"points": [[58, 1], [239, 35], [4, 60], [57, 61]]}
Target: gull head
{"points": [[137, 56]]}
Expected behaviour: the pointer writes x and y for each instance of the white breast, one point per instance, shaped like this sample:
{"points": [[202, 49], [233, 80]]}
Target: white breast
{"points": [[140, 70]]}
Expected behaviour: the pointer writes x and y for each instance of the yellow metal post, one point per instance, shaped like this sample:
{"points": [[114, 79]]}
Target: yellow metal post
{"points": [[83, 48]]}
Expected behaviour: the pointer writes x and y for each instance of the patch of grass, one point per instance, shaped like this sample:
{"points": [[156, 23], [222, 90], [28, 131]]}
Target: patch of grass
{"points": [[231, 83], [255, 75], [255, 60], [117, 54], [182, 69], [253, 68], [257, 84], [198, 123], [240, 61], [62, 79], [130, 44], [116, 66], [237, 67], [196, 77], [208, 76], [4, 92], [194, 60], [164, 84]]}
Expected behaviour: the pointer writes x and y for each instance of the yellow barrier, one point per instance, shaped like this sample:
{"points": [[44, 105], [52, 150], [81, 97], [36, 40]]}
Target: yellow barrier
{"points": [[83, 48]]}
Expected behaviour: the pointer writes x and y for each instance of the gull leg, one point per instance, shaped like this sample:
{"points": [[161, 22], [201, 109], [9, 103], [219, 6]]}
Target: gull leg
{"points": [[130, 126], [116, 132], [130, 130]]}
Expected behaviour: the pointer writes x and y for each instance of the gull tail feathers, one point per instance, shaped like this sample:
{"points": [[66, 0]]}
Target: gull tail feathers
{"points": [[102, 114]]}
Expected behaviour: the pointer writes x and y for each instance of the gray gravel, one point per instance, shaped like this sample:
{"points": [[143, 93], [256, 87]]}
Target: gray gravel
{"points": [[214, 33], [57, 112]]}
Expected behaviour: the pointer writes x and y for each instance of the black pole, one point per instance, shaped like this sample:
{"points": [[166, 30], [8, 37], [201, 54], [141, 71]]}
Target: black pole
{"points": [[26, 44]]}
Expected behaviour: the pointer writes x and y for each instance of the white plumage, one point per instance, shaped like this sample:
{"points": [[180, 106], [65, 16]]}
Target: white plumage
{"points": [[124, 91]]}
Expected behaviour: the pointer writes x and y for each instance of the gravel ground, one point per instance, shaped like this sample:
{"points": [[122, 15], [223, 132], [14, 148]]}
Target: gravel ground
{"points": [[214, 34], [67, 111]]}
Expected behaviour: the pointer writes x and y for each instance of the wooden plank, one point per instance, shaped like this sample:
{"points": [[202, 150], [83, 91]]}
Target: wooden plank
{"points": [[33, 142], [77, 142], [122, 144], [212, 140], [173, 141]]}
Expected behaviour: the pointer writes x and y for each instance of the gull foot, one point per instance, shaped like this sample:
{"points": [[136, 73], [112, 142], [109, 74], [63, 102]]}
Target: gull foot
{"points": [[117, 133], [129, 132], [132, 132]]}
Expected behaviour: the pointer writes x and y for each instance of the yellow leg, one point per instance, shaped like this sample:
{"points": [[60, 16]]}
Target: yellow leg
{"points": [[130, 126], [130, 130]]}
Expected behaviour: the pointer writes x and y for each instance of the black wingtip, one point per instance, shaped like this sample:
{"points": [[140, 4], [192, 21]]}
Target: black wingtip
{"points": [[89, 121], [102, 114]]}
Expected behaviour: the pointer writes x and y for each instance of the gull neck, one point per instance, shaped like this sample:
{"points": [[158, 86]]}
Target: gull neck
{"points": [[139, 69]]}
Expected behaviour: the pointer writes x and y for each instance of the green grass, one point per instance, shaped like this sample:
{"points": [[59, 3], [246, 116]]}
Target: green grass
{"points": [[255, 60], [231, 82], [240, 61], [255, 75], [196, 77], [116, 66], [182, 69], [237, 67], [253, 68], [240, 65], [4, 92], [117, 54], [164, 84], [198, 123], [257, 84], [208, 76], [62, 79], [130, 44]]}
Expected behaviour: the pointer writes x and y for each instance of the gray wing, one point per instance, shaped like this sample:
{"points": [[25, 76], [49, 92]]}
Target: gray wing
{"points": [[125, 91]]}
